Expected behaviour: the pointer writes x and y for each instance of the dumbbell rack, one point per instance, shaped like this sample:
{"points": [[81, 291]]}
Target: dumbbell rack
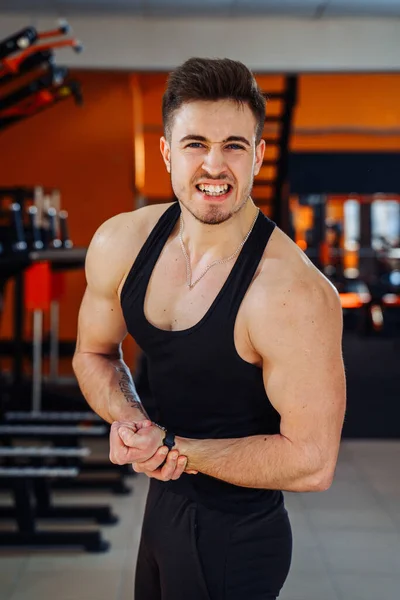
{"points": [[28, 251], [59, 259], [23, 481], [44, 508], [33, 238]]}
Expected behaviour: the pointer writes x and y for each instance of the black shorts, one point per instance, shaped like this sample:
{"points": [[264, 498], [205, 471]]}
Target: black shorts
{"points": [[191, 552]]}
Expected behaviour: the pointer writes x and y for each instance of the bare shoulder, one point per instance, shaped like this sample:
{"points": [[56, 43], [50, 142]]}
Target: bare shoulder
{"points": [[290, 294], [116, 244]]}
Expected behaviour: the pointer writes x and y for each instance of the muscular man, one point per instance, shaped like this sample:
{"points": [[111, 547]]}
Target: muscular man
{"points": [[243, 339]]}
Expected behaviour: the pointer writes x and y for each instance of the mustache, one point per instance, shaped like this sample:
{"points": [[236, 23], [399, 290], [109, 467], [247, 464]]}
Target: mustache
{"points": [[210, 178]]}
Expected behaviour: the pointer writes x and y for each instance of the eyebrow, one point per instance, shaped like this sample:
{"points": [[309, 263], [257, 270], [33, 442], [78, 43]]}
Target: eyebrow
{"points": [[201, 138]]}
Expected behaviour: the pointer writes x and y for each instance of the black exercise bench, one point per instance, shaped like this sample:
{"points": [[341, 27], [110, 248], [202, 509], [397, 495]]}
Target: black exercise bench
{"points": [[19, 480], [53, 417], [69, 435], [41, 489], [70, 418]]}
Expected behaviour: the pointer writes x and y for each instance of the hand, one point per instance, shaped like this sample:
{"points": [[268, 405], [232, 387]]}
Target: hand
{"points": [[134, 441], [174, 466], [172, 469]]}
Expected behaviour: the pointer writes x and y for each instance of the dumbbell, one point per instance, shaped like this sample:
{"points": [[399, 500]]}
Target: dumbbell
{"points": [[19, 243]]}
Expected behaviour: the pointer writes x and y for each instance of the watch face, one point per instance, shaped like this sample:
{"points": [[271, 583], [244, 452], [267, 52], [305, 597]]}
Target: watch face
{"points": [[169, 440]]}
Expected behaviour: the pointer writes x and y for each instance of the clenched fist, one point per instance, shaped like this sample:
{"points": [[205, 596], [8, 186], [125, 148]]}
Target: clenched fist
{"points": [[141, 444], [132, 442]]}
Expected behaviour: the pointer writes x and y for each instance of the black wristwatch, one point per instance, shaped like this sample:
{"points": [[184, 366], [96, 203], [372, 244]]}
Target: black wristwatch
{"points": [[169, 440]]}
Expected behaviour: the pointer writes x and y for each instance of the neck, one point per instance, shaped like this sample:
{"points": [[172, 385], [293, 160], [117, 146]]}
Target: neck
{"points": [[205, 243]]}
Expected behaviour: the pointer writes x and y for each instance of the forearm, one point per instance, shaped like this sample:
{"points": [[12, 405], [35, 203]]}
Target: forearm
{"points": [[262, 461], [107, 385]]}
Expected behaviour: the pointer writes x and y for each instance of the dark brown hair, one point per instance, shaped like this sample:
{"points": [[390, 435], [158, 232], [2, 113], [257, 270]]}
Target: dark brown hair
{"points": [[212, 79]]}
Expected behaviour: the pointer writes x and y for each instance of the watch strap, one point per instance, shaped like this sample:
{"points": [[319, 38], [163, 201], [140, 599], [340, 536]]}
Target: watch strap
{"points": [[169, 440]]}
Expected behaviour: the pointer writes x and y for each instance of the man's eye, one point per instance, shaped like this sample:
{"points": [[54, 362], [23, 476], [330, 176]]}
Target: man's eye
{"points": [[195, 145], [234, 147]]}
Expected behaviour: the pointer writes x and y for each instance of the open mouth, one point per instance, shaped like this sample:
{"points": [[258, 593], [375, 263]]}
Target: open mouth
{"points": [[214, 191]]}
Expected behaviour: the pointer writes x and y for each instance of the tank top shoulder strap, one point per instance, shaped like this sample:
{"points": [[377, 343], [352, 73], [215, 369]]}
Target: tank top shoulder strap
{"points": [[151, 249], [247, 263]]}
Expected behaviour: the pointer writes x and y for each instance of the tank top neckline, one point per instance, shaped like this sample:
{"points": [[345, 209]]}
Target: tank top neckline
{"points": [[218, 297]]}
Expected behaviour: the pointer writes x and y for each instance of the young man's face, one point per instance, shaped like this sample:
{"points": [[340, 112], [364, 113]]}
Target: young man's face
{"points": [[212, 157]]}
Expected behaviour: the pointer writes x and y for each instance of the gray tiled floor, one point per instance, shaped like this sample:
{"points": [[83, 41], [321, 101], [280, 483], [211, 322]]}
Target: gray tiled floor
{"points": [[346, 540]]}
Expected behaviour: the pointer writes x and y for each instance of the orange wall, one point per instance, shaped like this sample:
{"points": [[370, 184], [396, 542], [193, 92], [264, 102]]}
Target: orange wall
{"points": [[87, 153], [156, 179], [357, 101]]}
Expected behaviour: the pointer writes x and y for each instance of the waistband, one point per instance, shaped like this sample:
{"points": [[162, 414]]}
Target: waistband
{"points": [[225, 497]]}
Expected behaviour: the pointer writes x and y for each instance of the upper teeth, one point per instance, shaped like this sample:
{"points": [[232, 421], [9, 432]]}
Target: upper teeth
{"points": [[213, 188]]}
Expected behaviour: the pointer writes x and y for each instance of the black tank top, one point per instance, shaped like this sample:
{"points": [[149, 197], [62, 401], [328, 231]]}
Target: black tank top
{"points": [[202, 388]]}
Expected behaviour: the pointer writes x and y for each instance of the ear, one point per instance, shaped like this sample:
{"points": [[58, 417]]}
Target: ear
{"points": [[260, 151], [166, 153]]}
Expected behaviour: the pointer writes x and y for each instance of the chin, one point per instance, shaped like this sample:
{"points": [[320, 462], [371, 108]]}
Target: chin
{"points": [[215, 217], [212, 215]]}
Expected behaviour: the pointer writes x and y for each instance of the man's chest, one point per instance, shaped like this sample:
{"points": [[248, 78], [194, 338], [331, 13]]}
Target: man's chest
{"points": [[172, 306]]}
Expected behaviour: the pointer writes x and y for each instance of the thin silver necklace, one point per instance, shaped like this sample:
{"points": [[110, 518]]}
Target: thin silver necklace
{"points": [[221, 261]]}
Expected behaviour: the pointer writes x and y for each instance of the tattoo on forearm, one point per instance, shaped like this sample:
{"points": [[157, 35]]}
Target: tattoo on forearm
{"points": [[126, 387]]}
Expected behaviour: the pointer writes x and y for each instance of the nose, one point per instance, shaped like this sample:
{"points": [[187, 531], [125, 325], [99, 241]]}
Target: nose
{"points": [[214, 161]]}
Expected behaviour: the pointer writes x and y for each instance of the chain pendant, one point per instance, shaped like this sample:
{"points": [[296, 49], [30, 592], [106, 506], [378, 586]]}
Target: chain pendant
{"points": [[222, 261]]}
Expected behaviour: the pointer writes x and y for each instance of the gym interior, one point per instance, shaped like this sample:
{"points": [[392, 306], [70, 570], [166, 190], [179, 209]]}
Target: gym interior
{"points": [[81, 84]]}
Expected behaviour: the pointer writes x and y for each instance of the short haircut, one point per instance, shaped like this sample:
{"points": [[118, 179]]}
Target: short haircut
{"points": [[212, 79]]}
